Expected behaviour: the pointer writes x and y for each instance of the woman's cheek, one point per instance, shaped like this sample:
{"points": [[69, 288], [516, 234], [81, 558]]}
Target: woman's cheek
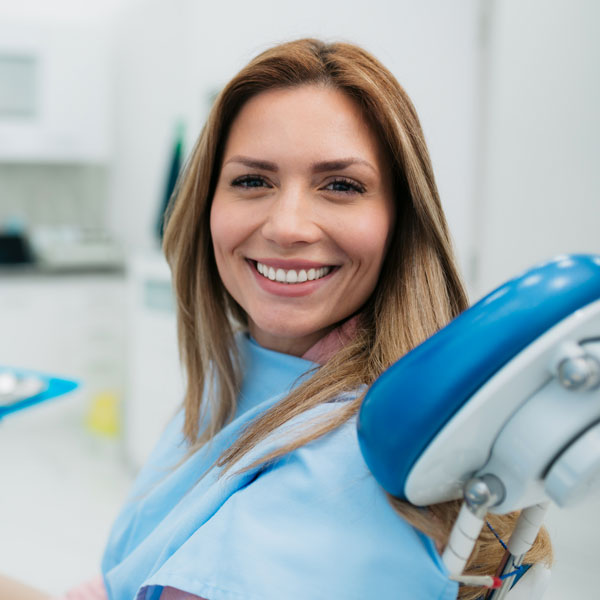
{"points": [[371, 234], [222, 225]]}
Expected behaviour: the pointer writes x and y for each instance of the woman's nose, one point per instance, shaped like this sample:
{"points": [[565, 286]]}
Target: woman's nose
{"points": [[290, 220]]}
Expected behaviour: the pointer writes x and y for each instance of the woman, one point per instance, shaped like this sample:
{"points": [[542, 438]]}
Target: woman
{"points": [[308, 222]]}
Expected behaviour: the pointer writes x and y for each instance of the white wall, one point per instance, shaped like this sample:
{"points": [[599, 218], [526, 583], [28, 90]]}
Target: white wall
{"points": [[541, 186], [170, 56]]}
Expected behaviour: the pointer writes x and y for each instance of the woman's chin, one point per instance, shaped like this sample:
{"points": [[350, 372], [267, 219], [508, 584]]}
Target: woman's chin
{"points": [[287, 339]]}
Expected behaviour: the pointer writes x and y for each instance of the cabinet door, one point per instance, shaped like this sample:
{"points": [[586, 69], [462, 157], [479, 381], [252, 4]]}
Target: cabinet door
{"points": [[69, 326], [56, 104], [155, 381]]}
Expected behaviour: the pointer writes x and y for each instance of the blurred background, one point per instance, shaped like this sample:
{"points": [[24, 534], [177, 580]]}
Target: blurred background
{"points": [[100, 101]]}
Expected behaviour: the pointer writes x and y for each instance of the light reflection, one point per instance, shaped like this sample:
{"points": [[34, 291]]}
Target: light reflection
{"points": [[531, 280], [497, 294], [565, 263], [559, 283]]}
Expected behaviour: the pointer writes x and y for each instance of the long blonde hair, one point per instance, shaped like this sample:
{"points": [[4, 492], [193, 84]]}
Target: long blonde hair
{"points": [[418, 292]]}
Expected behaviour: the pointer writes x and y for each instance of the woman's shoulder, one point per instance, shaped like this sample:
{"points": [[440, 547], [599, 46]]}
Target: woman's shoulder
{"points": [[314, 514]]}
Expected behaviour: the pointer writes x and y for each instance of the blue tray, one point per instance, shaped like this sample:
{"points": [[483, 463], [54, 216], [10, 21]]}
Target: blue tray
{"points": [[51, 388]]}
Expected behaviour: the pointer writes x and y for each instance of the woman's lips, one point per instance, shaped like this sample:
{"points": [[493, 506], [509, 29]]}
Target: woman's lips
{"points": [[290, 263], [290, 278], [292, 275]]}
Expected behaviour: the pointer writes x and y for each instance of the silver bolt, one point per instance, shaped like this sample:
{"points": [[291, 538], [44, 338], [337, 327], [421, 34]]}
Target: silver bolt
{"points": [[579, 373], [481, 493]]}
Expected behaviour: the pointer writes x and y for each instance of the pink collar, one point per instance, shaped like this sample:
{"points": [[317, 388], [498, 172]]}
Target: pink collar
{"points": [[327, 346]]}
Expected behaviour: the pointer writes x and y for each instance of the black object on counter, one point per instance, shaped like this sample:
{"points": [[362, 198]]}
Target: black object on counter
{"points": [[14, 249]]}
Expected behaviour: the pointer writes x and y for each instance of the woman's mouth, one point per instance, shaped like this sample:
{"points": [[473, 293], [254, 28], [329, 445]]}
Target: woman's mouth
{"points": [[292, 275]]}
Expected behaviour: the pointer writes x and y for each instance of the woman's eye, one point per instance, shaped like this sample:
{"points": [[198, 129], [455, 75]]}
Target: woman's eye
{"points": [[345, 186], [250, 181]]}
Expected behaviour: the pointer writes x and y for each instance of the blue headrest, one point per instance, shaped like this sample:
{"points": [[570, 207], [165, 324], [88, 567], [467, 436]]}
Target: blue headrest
{"points": [[411, 401]]}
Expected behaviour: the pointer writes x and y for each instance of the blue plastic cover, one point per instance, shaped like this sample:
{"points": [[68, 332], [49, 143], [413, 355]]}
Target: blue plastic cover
{"points": [[52, 387], [412, 401]]}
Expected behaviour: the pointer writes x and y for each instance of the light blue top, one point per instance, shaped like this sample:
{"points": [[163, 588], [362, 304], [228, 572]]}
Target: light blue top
{"points": [[314, 525]]}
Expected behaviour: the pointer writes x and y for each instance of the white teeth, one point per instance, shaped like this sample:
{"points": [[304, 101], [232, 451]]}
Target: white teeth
{"points": [[291, 276]]}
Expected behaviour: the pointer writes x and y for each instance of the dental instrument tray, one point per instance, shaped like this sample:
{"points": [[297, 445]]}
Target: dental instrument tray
{"points": [[21, 388]]}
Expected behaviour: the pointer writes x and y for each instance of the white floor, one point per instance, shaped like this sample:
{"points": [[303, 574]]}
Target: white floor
{"points": [[61, 488]]}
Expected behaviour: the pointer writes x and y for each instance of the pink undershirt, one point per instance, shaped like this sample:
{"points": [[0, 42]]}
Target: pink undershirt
{"points": [[319, 353]]}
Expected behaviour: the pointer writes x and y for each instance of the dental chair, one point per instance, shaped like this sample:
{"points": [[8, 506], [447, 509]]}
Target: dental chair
{"points": [[501, 407]]}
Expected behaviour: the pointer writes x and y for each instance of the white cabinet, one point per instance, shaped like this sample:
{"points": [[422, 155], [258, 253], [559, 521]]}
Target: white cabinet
{"points": [[69, 325], [117, 335], [155, 382], [55, 93]]}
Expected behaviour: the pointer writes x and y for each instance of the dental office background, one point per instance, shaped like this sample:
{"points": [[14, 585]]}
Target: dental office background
{"points": [[96, 100]]}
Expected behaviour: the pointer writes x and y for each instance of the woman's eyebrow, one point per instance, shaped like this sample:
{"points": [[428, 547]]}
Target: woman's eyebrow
{"points": [[254, 163], [340, 164], [316, 167]]}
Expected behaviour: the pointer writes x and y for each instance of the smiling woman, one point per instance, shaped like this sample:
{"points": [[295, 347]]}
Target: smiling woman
{"points": [[309, 252], [300, 232]]}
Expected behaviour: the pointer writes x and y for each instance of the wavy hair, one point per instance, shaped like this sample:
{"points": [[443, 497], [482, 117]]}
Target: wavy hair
{"points": [[418, 292]]}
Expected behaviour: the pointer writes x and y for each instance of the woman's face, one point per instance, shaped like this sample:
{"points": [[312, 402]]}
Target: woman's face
{"points": [[302, 214]]}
